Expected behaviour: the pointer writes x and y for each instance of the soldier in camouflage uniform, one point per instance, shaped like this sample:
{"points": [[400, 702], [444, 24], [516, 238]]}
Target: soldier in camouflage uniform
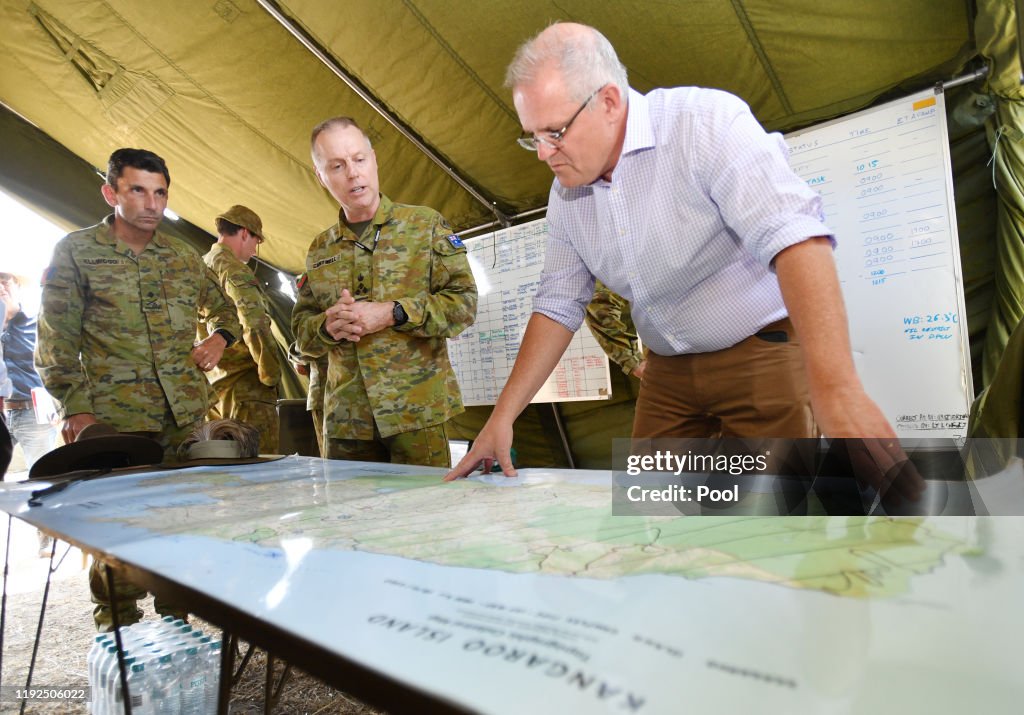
{"points": [[316, 370], [385, 287], [610, 321], [245, 380], [117, 326]]}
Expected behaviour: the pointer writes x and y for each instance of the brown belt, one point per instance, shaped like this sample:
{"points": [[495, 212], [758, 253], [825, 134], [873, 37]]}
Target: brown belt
{"points": [[17, 404]]}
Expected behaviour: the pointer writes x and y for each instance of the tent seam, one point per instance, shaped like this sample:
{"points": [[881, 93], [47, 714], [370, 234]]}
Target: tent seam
{"points": [[762, 55], [212, 98], [459, 61]]}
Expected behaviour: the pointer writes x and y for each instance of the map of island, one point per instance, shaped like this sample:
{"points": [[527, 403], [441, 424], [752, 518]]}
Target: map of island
{"points": [[555, 527]]}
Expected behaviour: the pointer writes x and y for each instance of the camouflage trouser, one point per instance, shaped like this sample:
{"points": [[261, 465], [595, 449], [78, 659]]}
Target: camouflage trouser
{"points": [[427, 447], [318, 425], [244, 398], [128, 593]]}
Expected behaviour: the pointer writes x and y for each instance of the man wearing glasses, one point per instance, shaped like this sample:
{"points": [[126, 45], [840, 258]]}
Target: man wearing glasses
{"points": [[680, 202], [245, 380], [385, 287]]}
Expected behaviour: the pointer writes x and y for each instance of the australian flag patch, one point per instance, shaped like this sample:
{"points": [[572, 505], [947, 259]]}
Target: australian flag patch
{"points": [[456, 241]]}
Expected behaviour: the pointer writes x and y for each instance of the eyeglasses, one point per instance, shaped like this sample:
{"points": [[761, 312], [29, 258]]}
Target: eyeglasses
{"points": [[532, 142]]}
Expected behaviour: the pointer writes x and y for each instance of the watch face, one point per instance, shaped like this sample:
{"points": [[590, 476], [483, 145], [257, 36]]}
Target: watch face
{"points": [[398, 313]]}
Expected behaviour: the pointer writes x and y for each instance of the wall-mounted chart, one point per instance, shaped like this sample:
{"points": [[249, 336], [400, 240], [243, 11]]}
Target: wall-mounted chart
{"points": [[885, 178], [507, 266]]}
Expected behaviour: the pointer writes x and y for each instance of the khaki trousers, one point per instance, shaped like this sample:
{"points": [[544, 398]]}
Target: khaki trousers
{"points": [[756, 388]]}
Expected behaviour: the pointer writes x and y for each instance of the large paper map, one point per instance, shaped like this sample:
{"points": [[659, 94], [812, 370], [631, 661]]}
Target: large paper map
{"points": [[505, 595]]}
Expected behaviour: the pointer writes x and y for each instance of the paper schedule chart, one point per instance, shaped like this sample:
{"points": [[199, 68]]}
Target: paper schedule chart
{"points": [[885, 180], [507, 266]]}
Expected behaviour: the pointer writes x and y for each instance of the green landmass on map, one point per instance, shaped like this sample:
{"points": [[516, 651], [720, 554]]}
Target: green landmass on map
{"points": [[558, 528]]}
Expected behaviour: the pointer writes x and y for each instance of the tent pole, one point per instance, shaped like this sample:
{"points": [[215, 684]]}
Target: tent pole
{"points": [[562, 435], [356, 87], [965, 79], [491, 224]]}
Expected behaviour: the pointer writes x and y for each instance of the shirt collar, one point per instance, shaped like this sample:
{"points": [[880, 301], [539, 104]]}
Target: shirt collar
{"points": [[381, 217], [639, 133], [107, 237], [218, 248]]}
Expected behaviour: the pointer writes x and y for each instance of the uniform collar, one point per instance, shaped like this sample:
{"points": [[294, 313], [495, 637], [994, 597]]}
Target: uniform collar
{"points": [[106, 235], [219, 248], [382, 216]]}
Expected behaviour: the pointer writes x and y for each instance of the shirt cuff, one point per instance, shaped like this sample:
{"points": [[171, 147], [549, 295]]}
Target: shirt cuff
{"points": [[228, 337]]}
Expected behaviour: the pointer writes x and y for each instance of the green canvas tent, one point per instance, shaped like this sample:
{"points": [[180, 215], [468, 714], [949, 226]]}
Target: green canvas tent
{"points": [[228, 90]]}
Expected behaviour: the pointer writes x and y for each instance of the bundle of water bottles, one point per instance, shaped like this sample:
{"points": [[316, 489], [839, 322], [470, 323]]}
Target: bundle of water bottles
{"points": [[172, 670]]}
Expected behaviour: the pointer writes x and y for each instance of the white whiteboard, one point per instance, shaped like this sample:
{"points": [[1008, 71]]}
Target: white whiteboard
{"points": [[507, 266], [885, 177]]}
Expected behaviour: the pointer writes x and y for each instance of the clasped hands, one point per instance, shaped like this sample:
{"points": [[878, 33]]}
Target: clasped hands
{"points": [[207, 353], [349, 319]]}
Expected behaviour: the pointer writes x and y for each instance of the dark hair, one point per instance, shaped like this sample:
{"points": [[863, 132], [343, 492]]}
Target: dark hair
{"points": [[142, 159], [226, 228]]}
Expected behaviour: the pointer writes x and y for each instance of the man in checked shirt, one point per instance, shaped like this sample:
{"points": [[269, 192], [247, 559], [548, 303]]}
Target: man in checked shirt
{"points": [[681, 203]]}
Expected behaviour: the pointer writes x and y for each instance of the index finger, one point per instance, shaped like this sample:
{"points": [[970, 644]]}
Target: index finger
{"points": [[466, 465]]}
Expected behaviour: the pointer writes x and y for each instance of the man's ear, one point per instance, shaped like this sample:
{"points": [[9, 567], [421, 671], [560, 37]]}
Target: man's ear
{"points": [[611, 100], [109, 194], [316, 170]]}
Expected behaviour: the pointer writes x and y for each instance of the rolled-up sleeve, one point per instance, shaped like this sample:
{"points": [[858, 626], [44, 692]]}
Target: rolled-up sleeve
{"points": [[566, 284], [748, 177]]}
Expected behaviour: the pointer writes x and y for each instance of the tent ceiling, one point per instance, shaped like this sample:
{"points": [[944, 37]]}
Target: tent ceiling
{"points": [[228, 96]]}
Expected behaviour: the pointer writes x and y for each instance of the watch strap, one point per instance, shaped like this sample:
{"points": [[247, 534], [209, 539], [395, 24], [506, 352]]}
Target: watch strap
{"points": [[399, 314]]}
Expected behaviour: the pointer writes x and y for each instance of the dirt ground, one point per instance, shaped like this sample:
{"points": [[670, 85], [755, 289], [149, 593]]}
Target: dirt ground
{"points": [[68, 633]]}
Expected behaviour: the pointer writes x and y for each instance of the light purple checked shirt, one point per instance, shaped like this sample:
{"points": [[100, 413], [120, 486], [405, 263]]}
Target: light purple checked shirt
{"points": [[701, 201]]}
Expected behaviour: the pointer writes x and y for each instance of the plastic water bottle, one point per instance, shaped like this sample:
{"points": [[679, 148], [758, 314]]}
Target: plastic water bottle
{"points": [[193, 683], [164, 687], [112, 691], [96, 652], [171, 651], [103, 665], [139, 691], [213, 678]]}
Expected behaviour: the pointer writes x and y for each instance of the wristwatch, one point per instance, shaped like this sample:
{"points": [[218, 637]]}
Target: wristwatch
{"points": [[399, 314], [228, 337]]}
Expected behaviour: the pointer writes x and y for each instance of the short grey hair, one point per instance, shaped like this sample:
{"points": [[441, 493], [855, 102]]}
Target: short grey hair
{"points": [[586, 61], [333, 122]]}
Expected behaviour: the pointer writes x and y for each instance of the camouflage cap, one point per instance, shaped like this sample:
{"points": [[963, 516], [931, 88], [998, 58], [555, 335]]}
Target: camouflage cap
{"points": [[246, 218]]}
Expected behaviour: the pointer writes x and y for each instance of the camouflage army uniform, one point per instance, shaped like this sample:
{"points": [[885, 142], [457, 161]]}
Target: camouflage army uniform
{"points": [[397, 383], [609, 319], [115, 337], [315, 399], [245, 380], [315, 396]]}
